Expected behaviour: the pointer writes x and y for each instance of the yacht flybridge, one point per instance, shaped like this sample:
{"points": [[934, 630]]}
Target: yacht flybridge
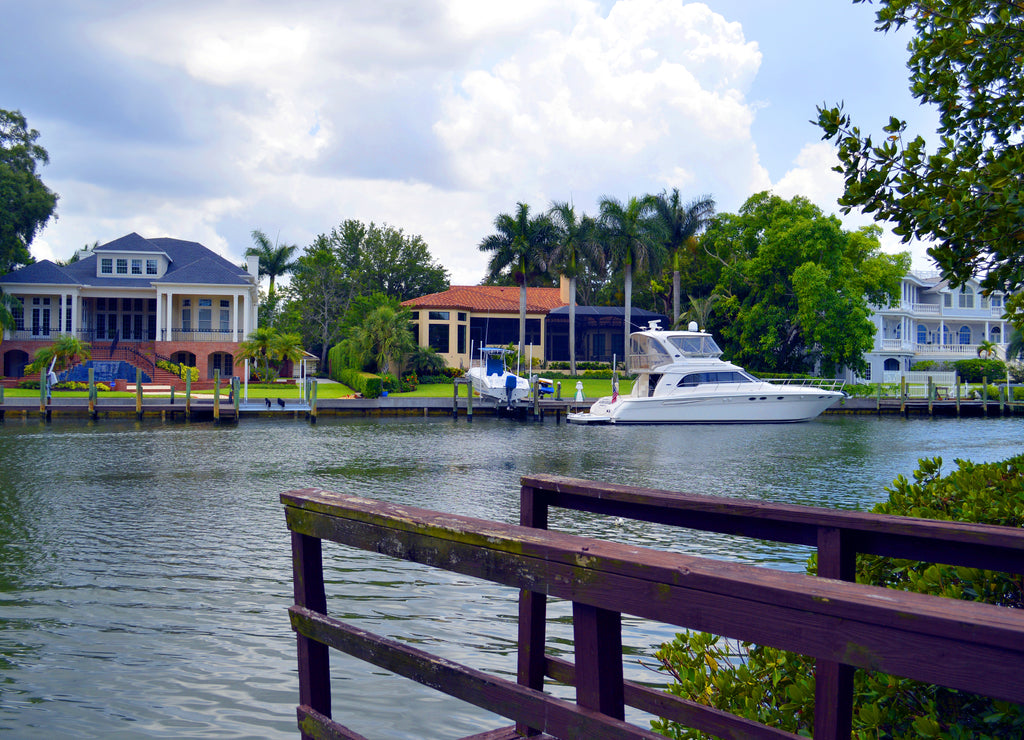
{"points": [[681, 379]]}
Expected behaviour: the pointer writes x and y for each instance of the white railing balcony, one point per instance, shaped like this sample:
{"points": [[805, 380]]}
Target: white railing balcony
{"points": [[930, 309], [897, 345]]}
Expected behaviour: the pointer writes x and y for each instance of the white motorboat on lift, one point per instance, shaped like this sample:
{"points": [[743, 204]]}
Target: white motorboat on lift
{"points": [[493, 380], [681, 379]]}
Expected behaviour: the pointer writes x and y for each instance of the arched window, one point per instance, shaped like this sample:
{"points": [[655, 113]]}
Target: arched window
{"points": [[922, 334], [965, 335], [996, 335], [892, 365]]}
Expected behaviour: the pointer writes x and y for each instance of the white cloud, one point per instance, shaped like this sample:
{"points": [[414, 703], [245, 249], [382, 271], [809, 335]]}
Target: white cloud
{"points": [[612, 103]]}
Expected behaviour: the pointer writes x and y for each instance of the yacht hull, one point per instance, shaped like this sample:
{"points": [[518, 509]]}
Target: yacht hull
{"points": [[760, 404]]}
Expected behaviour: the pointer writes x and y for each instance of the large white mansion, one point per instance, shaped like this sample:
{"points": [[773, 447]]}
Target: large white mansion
{"points": [[934, 322]]}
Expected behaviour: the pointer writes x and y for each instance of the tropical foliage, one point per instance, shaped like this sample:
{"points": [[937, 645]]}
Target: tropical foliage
{"points": [[965, 195], [65, 352], [266, 345]]}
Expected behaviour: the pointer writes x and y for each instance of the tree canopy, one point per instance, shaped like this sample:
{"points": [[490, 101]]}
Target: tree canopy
{"points": [[966, 59], [798, 286], [26, 204]]}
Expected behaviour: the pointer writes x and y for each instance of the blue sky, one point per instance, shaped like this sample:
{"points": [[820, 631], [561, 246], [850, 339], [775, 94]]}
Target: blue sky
{"points": [[205, 120]]}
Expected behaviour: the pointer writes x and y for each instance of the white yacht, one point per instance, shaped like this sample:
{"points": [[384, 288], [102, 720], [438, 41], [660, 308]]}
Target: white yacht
{"points": [[682, 380], [493, 380]]}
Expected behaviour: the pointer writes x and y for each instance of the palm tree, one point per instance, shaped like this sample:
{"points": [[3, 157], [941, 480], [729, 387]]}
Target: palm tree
{"points": [[259, 347], [521, 245], [680, 223], [384, 338], [287, 348], [574, 243], [700, 310], [634, 239], [986, 349], [63, 353], [274, 258]]}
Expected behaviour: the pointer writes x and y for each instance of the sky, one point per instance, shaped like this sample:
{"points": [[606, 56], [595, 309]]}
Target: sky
{"points": [[204, 120]]}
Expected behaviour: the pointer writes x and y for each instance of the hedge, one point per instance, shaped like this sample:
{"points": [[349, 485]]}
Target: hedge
{"points": [[367, 384]]}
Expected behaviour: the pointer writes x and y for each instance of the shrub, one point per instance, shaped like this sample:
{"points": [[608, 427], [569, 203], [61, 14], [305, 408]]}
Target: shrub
{"points": [[367, 384], [972, 371], [29, 384], [181, 370], [774, 687]]}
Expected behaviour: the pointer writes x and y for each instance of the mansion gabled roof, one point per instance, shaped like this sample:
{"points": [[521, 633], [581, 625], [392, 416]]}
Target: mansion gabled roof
{"points": [[489, 298]]}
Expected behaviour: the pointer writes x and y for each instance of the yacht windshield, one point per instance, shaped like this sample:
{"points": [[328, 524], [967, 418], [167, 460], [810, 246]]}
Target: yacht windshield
{"points": [[695, 346], [719, 376], [647, 353]]}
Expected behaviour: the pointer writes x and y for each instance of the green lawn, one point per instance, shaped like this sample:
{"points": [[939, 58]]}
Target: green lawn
{"points": [[591, 389]]}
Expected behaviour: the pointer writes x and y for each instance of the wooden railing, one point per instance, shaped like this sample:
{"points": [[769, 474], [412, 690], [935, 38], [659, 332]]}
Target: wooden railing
{"points": [[963, 645]]}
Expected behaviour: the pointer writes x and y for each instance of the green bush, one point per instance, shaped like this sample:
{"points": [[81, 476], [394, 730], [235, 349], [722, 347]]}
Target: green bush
{"points": [[973, 371], [777, 688], [366, 384], [181, 370]]}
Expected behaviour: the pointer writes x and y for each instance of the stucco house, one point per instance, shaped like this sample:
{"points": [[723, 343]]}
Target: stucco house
{"points": [[458, 320], [142, 299], [933, 321]]}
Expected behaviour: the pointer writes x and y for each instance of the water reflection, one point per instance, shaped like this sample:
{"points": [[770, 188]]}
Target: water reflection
{"points": [[145, 572]]}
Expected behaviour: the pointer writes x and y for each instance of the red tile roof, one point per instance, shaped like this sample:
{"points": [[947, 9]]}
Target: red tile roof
{"points": [[494, 298]]}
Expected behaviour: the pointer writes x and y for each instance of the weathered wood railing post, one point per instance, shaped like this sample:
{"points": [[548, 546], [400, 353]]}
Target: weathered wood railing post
{"points": [[455, 399], [188, 393], [984, 396], [956, 382], [903, 394], [533, 512], [313, 657], [833, 682], [931, 395], [42, 392], [878, 400], [597, 636], [469, 400]]}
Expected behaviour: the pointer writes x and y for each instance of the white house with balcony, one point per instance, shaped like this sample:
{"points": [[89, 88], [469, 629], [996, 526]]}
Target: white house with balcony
{"points": [[933, 321]]}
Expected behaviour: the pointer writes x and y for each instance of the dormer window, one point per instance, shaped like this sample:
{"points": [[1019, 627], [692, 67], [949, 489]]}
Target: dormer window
{"points": [[106, 266], [136, 267], [151, 267], [122, 266]]}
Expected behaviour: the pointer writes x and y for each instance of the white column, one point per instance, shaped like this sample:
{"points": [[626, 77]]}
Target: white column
{"points": [[247, 327], [159, 313], [169, 318], [75, 300], [234, 318]]}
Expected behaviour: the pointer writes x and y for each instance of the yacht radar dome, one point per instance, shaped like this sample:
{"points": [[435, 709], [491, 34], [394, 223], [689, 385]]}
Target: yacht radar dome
{"points": [[692, 326]]}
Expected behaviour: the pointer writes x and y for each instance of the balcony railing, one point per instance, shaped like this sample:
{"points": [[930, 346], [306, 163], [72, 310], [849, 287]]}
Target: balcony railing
{"points": [[199, 335]]}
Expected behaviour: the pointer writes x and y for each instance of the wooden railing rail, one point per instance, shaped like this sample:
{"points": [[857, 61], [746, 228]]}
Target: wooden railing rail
{"points": [[975, 647], [839, 537]]}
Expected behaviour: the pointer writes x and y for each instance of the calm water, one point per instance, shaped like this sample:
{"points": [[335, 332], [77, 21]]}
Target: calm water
{"points": [[145, 568]]}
